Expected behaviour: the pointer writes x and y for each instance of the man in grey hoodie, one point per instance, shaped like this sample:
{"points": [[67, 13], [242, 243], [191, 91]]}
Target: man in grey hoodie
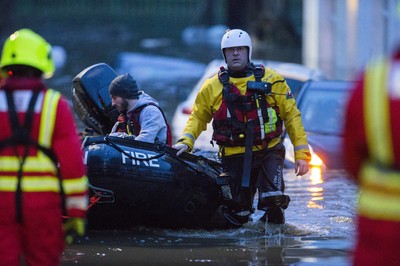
{"points": [[140, 114]]}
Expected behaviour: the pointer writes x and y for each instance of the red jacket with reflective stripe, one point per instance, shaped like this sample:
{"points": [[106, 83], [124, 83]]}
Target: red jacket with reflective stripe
{"points": [[63, 140], [355, 144]]}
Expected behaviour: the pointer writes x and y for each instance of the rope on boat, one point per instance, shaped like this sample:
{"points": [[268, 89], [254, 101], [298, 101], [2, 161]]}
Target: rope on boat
{"points": [[93, 200], [99, 194]]}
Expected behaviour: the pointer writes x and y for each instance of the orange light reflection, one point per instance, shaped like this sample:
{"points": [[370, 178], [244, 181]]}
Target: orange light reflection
{"points": [[316, 175], [316, 191], [312, 205]]}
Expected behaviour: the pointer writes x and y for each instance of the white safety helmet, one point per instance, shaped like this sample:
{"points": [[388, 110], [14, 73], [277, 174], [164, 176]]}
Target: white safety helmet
{"points": [[235, 38]]}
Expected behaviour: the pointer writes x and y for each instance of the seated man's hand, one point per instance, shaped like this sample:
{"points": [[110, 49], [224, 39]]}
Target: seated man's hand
{"points": [[181, 147], [74, 227], [118, 134]]}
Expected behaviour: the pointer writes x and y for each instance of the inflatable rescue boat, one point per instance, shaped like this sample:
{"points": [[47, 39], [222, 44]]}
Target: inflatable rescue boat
{"points": [[137, 183]]}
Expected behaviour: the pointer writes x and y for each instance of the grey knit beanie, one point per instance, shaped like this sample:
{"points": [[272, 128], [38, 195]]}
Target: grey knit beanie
{"points": [[124, 86]]}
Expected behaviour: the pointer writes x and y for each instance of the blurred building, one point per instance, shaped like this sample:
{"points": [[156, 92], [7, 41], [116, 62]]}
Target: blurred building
{"points": [[335, 36], [340, 36]]}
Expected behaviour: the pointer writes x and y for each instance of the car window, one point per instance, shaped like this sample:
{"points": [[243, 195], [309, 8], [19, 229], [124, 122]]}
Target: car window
{"points": [[323, 110], [294, 85]]}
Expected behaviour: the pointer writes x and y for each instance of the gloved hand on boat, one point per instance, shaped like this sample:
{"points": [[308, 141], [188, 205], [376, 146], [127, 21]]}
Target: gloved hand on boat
{"points": [[118, 134], [74, 227], [181, 147]]}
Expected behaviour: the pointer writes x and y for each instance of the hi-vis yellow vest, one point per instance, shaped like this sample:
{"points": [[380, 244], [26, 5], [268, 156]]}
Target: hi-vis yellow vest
{"points": [[380, 184], [40, 173]]}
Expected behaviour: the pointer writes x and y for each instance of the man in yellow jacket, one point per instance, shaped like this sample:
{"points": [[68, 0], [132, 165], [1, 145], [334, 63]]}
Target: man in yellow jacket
{"points": [[248, 105]]}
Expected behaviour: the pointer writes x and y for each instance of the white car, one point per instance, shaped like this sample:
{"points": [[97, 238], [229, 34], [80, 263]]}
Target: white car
{"points": [[295, 74]]}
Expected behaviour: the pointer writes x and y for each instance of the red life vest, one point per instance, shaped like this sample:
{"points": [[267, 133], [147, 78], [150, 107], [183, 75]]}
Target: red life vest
{"points": [[133, 125], [238, 111]]}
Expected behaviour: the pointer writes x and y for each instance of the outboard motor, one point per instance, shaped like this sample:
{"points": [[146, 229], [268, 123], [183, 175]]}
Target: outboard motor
{"points": [[91, 99]]}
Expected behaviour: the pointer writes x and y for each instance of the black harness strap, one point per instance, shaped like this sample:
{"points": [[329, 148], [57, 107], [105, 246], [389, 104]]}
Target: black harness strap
{"points": [[21, 135], [248, 151], [259, 72], [223, 77]]}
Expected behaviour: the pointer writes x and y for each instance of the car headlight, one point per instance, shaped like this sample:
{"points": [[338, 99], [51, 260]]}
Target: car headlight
{"points": [[315, 159]]}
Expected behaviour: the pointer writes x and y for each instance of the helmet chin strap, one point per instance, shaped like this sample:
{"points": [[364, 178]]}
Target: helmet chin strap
{"points": [[23, 71], [244, 72]]}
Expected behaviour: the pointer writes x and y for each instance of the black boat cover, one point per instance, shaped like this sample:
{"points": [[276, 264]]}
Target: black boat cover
{"points": [[148, 184]]}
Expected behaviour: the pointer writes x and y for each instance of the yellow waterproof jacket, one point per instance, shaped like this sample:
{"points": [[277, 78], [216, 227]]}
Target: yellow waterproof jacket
{"points": [[209, 100]]}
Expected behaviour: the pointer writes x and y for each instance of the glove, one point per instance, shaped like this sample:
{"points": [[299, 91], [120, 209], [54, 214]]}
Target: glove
{"points": [[118, 134], [181, 147], [73, 228]]}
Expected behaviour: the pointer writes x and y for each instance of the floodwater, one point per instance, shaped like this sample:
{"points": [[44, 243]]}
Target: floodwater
{"points": [[319, 230]]}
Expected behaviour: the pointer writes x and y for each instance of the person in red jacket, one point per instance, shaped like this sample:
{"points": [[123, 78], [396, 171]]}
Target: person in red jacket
{"points": [[372, 155], [42, 176]]}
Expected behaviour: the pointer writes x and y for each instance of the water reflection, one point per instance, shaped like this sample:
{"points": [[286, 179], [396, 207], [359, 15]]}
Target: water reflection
{"points": [[318, 230], [185, 250], [316, 175]]}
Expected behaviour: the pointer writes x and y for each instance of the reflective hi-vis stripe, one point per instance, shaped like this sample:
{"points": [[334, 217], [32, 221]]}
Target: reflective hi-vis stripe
{"points": [[376, 110], [380, 194], [32, 164], [37, 183], [380, 186], [271, 125], [48, 118], [31, 183], [39, 172]]}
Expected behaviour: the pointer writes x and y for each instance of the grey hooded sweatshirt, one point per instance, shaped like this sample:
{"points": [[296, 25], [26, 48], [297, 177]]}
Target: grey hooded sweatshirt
{"points": [[152, 123]]}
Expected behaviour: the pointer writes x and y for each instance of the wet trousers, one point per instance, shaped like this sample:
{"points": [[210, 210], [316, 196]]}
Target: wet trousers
{"points": [[266, 177], [39, 239]]}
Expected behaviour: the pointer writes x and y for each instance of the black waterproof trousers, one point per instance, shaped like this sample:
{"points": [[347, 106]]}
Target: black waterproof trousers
{"points": [[266, 177]]}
